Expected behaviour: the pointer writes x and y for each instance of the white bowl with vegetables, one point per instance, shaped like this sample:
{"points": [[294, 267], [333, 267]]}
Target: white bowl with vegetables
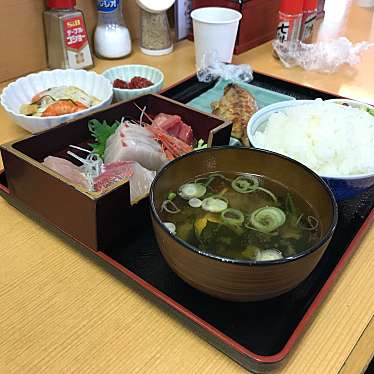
{"points": [[41, 101]]}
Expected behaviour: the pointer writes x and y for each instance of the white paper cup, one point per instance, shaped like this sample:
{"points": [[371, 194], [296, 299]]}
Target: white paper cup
{"points": [[214, 30]]}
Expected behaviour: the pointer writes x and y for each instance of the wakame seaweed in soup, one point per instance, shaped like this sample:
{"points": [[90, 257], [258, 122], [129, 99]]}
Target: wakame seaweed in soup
{"points": [[241, 216]]}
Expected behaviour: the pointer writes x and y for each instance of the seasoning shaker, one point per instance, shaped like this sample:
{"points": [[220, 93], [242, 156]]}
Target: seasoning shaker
{"points": [[66, 36], [155, 36], [308, 20], [112, 37], [289, 24]]}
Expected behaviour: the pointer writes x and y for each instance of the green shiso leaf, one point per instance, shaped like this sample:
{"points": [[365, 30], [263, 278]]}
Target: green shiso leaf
{"points": [[101, 131]]}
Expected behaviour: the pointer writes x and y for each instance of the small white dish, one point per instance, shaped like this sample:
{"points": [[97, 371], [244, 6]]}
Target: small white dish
{"points": [[126, 72]]}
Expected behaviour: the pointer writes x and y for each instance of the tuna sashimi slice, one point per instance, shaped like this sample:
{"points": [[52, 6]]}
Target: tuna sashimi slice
{"points": [[168, 122], [113, 173], [174, 126], [186, 134], [140, 178]]}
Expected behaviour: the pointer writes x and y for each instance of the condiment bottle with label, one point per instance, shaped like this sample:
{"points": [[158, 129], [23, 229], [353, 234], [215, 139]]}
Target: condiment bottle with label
{"points": [[289, 24], [112, 37], [308, 20], [66, 36], [290, 17]]}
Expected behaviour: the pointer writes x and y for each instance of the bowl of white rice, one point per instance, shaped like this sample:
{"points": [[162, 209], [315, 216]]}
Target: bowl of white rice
{"points": [[336, 141]]}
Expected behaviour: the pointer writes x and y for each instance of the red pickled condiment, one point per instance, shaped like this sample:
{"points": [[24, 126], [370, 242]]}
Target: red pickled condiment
{"points": [[135, 83]]}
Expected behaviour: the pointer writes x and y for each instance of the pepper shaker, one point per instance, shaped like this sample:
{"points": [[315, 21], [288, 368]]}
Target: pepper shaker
{"points": [[155, 36], [66, 36]]}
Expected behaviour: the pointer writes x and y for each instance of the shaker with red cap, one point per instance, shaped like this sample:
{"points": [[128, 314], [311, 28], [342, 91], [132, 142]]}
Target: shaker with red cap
{"points": [[308, 20], [66, 36], [290, 17]]}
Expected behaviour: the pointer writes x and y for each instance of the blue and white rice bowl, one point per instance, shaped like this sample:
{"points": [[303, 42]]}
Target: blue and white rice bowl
{"points": [[342, 186]]}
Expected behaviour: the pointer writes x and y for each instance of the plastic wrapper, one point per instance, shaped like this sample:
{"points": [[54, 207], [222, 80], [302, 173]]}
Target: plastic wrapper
{"points": [[212, 69], [324, 57]]}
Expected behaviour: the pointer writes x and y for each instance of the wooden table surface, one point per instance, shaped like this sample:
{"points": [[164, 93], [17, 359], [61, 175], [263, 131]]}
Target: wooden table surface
{"points": [[64, 311]]}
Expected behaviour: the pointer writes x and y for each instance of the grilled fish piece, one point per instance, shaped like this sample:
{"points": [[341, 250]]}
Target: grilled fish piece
{"points": [[236, 105]]}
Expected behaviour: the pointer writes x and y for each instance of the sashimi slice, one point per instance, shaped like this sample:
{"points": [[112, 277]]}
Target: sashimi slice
{"points": [[174, 126], [167, 122], [134, 143], [67, 169], [113, 173], [186, 134], [140, 182]]}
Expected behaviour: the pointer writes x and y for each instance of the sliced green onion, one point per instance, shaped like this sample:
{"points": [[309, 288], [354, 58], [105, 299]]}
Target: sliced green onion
{"points": [[232, 216], [245, 183], [268, 192], [269, 255], [172, 195], [195, 202], [220, 197], [267, 219], [171, 227], [170, 207], [190, 190], [214, 204]]}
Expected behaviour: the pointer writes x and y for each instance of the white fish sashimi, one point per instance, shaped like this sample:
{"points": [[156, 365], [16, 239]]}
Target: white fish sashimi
{"points": [[140, 182], [67, 169], [134, 143]]}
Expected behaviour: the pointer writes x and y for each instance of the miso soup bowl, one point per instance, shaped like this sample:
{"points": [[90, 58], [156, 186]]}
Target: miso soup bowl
{"points": [[242, 280]]}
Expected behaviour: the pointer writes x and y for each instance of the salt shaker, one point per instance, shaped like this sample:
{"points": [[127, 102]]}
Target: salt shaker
{"points": [[66, 36], [112, 37]]}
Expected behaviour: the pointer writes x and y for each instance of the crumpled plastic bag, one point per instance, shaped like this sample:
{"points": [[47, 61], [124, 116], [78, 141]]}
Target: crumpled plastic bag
{"points": [[324, 56], [212, 69]]}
